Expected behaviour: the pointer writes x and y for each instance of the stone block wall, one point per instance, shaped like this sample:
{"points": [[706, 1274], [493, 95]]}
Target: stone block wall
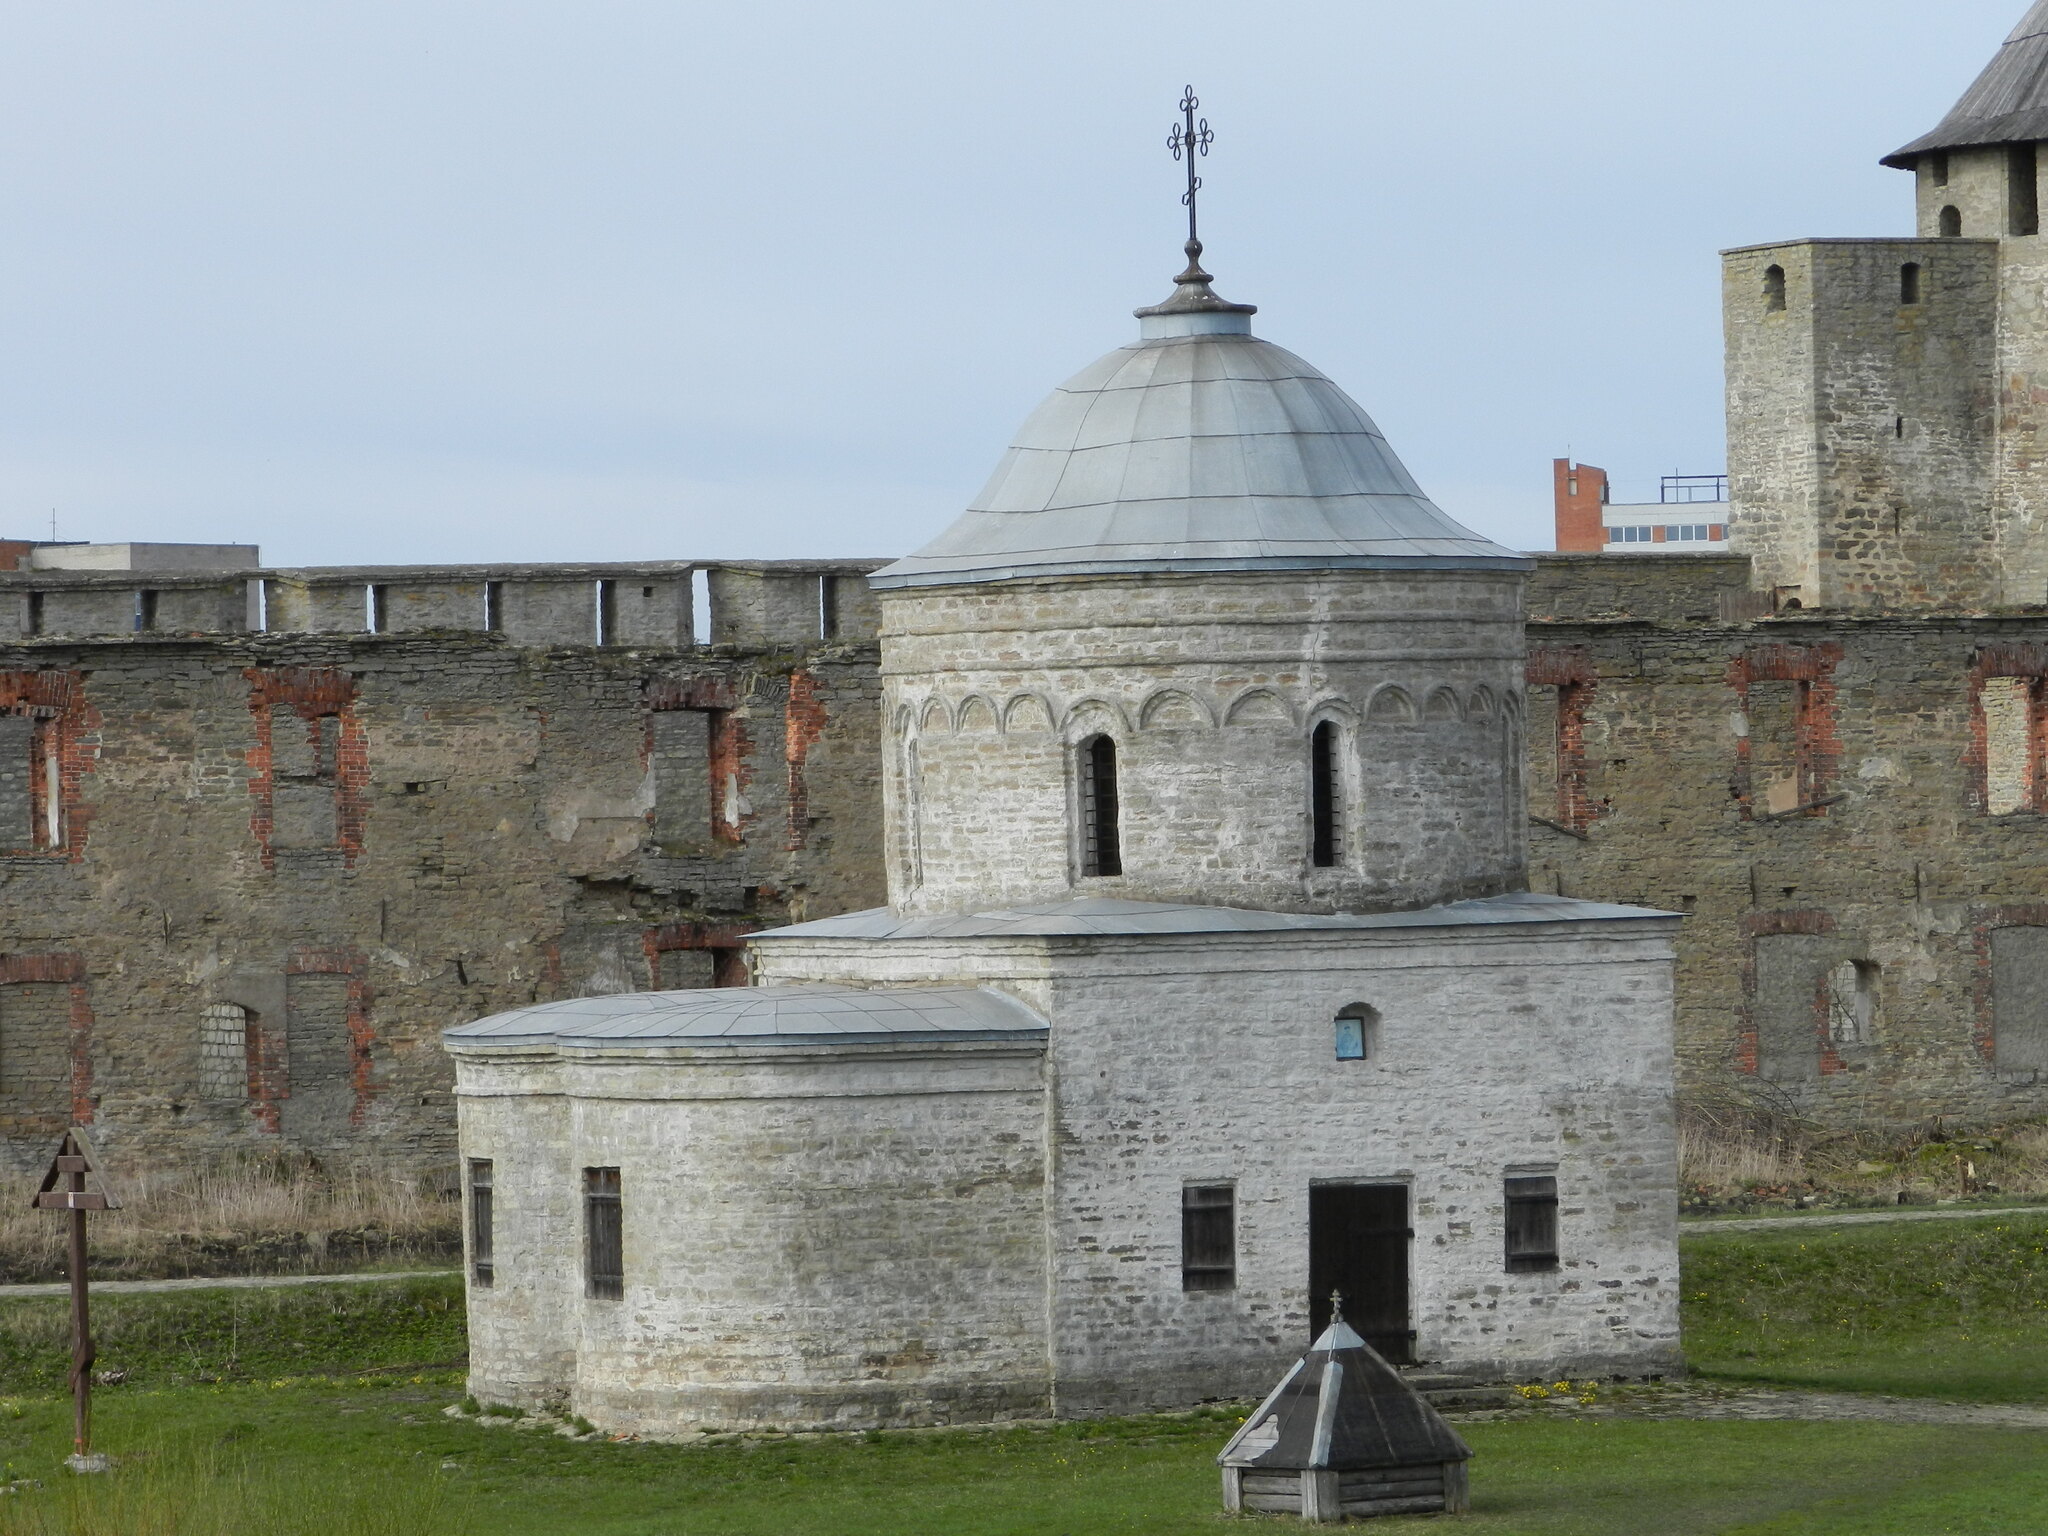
{"points": [[322, 848], [1862, 419], [1210, 689], [1208, 1059], [1849, 808], [811, 1236]]}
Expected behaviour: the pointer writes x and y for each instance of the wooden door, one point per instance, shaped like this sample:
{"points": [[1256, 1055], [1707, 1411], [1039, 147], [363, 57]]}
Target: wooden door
{"points": [[1358, 1241]]}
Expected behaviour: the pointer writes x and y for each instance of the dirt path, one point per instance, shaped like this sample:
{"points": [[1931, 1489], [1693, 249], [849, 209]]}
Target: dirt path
{"points": [[1850, 1219], [1693, 1400], [231, 1283]]}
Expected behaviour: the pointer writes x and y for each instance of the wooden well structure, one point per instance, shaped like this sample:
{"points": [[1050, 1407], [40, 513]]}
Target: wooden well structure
{"points": [[1345, 1437]]}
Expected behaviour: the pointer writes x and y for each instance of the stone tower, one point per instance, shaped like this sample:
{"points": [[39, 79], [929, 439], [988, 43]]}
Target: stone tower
{"points": [[1202, 595], [1886, 398]]}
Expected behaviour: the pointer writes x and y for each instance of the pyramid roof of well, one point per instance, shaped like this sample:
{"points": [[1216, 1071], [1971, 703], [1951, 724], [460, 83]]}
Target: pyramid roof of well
{"points": [[1342, 1408]]}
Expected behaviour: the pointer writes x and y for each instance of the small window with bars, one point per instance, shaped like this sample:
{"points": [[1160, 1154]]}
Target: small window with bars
{"points": [[1208, 1237], [1326, 797], [604, 1252], [1532, 1222], [1101, 823], [482, 1272]]}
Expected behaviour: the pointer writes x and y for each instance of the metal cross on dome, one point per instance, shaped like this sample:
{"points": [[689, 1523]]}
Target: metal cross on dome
{"points": [[1189, 139]]}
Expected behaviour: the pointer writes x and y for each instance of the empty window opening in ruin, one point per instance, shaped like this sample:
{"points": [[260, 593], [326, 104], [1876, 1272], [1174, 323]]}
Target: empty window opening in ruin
{"points": [[1358, 1033], [1951, 223], [482, 1271], [2023, 190], [29, 781], [685, 747], [145, 611], [305, 794], [2011, 709], [604, 1245], [1531, 1201], [1937, 168], [1852, 1003], [1774, 287], [607, 613], [1774, 722], [1101, 829], [1326, 795], [1208, 1237], [700, 606], [377, 608], [828, 607], [35, 1044], [32, 621], [223, 1051], [1909, 283], [2019, 999], [494, 607]]}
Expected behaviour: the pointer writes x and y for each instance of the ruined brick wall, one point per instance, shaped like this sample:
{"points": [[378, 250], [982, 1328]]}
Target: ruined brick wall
{"points": [[1849, 808], [250, 876]]}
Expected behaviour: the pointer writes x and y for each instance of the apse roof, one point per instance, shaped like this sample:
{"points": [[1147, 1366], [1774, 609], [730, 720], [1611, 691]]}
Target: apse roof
{"points": [[1199, 447], [1343, 1409], [802, 1014], [2007, 105], [1095, 916]]}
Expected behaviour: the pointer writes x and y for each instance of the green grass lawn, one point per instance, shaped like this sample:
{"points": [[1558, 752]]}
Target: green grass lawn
{"points": [[1954, 1309], [382, 1461], [317, 1412]]}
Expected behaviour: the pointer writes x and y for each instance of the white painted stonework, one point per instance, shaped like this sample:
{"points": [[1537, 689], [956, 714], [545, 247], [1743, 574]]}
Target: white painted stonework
{"points": [[883, 1193]]}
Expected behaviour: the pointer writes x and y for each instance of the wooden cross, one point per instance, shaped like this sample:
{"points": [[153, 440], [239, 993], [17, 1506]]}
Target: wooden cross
{"points": [[65, 1188]]}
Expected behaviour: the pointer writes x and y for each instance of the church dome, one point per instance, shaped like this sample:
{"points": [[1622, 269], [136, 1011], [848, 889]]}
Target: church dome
{"points": [[1197, 448]]}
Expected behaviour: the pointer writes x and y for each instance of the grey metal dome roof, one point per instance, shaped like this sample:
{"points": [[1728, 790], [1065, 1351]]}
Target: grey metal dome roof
{"points": [[2008, 103], [1199, 447]]}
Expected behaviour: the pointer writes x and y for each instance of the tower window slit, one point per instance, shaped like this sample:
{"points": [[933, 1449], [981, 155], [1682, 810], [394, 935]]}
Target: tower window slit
{"points": [[1951, 223], [2023, 194], [1909, 283], [1937, 168], [1774, 287], [1101, 835], [1325, 787]]}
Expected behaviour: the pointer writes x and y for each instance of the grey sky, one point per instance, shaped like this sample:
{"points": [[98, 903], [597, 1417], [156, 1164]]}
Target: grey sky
{"points": [[391, 280]]}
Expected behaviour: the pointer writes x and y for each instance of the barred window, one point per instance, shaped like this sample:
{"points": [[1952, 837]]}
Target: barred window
{"points": [[1532, 1222], [481, 1268], [1101, 834], [1208, 1237], [604, 1254], [1326, 786], [223, 1051]]}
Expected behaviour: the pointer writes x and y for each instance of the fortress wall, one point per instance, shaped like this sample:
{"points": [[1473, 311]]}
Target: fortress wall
{"points": [[250, 877], [1850, 811]]}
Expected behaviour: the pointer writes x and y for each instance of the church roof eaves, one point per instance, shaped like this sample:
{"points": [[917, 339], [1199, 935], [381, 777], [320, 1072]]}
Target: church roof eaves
{"points": [[2008, 103], [743, 1017], [1101, 917]]}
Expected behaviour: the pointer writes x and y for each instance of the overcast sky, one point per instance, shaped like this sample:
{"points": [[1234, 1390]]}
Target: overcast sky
{"points": [[377, 281]]}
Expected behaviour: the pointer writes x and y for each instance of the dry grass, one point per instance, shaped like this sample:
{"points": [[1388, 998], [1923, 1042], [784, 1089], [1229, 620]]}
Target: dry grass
{"points": [[272, 1216], [1740, 1150]]}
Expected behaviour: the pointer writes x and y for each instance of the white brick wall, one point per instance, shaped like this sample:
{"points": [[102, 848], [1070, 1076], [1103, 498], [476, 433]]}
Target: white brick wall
{"points": [[1210, 687]]}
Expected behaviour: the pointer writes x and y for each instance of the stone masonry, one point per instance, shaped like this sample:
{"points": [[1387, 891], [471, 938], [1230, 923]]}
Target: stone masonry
{"points": [[1847, 806], [257, 854]]}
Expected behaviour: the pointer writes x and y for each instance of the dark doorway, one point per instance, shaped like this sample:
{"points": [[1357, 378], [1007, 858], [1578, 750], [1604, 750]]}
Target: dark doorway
{"points": [[1358, 1237]]}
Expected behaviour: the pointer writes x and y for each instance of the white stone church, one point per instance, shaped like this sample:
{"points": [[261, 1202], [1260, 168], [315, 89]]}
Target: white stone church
{"points": [[1209, 983]]}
